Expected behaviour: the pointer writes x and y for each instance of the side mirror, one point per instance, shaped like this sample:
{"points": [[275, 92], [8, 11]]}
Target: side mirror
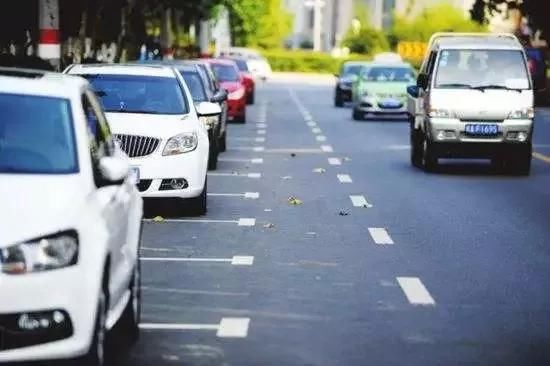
{"points": [[422, 81], [113, 170], [219, 97], [208, 109], [337, 76], [413, 90]]}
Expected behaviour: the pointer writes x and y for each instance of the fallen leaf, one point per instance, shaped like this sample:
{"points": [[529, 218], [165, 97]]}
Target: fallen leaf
{"points": [[286, 177], [158, 219], [269, 225], [294, 201], [319, 170], [343, 213]]}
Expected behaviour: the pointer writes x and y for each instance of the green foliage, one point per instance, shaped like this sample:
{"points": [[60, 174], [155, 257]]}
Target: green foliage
{"points": [[362, 38], [305, 61], [258, 23], [438, 18]]}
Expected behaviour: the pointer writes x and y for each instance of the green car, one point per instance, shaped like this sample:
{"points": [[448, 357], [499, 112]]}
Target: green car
{"points": [[381, 90]]}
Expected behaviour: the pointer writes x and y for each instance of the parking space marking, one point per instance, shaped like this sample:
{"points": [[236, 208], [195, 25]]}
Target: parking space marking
{"points": [[236, 160], [327, 148], [246, 222], [233, 328], [261, 125], [416, 292], [261, 132], [248, 148], [260, 139], [380, 236], [359, 201], [334, 161], [178, 326], [247, 195], [344, 178], [199, 221], [235, 174], [237, 260], [316, 130], [541, 157], [247, 139]]}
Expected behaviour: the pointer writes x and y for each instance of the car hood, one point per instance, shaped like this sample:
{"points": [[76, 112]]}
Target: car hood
{"points": [[395, 89], [231, 86], [152, 125], [481, 105], [36, 205]]}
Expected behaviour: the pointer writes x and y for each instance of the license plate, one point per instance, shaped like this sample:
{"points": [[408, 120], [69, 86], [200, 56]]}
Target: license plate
{"points": [[134, 175], [481, 129], [391, 103]]}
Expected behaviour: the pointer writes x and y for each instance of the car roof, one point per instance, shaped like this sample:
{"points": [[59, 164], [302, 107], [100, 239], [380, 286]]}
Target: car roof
{"points": [[39, 82], [390, 64], [153, 69], [488, 42]]}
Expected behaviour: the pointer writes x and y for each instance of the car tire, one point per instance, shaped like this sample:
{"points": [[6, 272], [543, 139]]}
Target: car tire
{"points": [[338, 102], [429, 158], [251, 97], [416, 147], [222, 143], [199, 204], [357, 115], [520, 163], [213, 151], [241, 119], [96, 355], [131, 317]]}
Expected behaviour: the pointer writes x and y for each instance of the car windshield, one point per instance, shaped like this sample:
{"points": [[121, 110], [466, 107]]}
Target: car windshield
{"points": [[36, 135], [242, 65], [497, 69], [194, 83], [225, 72], [385, 74], [352, 70], [139, 94]]}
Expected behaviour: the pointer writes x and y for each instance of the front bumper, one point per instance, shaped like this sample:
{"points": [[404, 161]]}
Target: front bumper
{"points": [[344, 94], [77, 301], [377, 106]]}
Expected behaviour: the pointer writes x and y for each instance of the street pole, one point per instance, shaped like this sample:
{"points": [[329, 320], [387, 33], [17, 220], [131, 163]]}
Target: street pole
{"points": [[49, 45], [317, 22]]}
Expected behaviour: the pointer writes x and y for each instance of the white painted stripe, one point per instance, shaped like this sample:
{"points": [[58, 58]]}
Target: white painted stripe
{"points": [[359, 201], [259, 139], [254, 175], [261, 125], [236, 160], [247, 195], [157, 249], [234, 174], [416, 292], [316, 130], [380, 236], [311, 124], [243, 138], [248, 148], [327, 148], [259, 148], [320, 138], [242, 260], [200, 221], [334, 161], [261, 132], [344, 178], [257, 161], [247, 222], [233, 328], [182, 259], [252, 195], [178, 326], [49, 51]]}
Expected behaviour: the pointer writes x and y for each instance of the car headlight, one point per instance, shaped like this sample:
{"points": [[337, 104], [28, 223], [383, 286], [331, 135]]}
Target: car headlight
{"points": [[42, 254], [525, 113], [441, 113], [209, 121], [181, 143], [237, 94]]}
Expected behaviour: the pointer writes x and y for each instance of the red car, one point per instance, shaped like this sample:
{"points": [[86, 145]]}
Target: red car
{"points": [[229, 78], [248, 78]]}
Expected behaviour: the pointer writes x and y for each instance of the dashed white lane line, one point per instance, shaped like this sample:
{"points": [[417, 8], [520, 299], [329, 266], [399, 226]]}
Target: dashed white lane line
{"points": [[236, 160], [311, 124], [321, 138], [327, 148], [247, 195], [260, 139], [227, 328], [239, 222], [380, 236], [261, 125], [248, 148], [416, 292], [344, 178], [359, 201], [237, 260], [334, 161], [261, 132], [252, 139], [316, 130], [235, 174], [247, 222]]}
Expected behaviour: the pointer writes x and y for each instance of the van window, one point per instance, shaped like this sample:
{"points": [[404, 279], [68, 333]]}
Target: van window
{"points": [[488, 69]]}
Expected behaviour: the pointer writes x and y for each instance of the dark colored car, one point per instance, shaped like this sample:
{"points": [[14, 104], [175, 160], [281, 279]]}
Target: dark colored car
{"points": [[349, 73], [248, 78], [536, 61], [229, 78]]}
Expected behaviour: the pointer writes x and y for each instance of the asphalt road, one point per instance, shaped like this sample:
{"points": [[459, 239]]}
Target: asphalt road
{"points": [[429, 269]]}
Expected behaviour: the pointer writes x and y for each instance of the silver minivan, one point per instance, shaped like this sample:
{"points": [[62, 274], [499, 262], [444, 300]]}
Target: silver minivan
{"points": [[473, 99]]}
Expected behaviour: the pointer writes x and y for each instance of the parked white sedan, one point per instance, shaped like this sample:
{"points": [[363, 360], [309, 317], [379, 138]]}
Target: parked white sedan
{"points": [[151, 112], [70, 222]]}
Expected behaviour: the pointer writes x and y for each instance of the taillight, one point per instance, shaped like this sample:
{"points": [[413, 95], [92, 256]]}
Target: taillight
{"points": [[531, 64]]}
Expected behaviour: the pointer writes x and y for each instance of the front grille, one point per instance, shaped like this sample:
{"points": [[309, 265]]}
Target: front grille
{"points": [[144, 184], [136, 146]]}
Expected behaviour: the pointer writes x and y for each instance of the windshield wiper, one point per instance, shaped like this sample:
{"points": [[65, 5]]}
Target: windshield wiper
{"points": [[495, 86], [455, 85]]}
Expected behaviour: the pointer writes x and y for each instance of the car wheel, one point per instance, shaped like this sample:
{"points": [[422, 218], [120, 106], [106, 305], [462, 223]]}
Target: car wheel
{"points": [[223, 142], [429, 159], [241, 119], [338, 102], [213, 152], [520, 163], [199, 204], [251, 97], [416, 147], [357, 115], [96, 353], [130, 318]]}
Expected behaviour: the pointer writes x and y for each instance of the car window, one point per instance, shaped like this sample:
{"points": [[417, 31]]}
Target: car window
{"points": [[477, 68], [36, 135], [101, 143], [242, 65], [225, 72], [351, 70], [139, 94], [195, 85], [389, 74]]}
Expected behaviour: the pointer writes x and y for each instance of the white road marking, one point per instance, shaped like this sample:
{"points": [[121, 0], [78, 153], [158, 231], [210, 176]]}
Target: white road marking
{"points": [[248, 148], [261, 132], [236, 160], [246, 222], [416, 292], [237, 260], [254, 139], [194, 292], [254, 175], [321, 138], [157, 249], [242, 260], [200, 221], [261, 125], [257, 161], [252, 195], [334, 161], [178, 326], [327, 148], [234, 174], [344, 178], [311, 124], [260, 139], [248, 195], [259, 148], [233, 328], [359, 201], [316, 130], [380, 236]]}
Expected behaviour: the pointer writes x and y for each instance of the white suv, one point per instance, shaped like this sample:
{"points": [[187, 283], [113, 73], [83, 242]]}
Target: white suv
{"points": [[70, 222], [151, 112]]}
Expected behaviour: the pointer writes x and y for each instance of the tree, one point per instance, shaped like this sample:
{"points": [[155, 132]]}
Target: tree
{"points": [[362, 37]]}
